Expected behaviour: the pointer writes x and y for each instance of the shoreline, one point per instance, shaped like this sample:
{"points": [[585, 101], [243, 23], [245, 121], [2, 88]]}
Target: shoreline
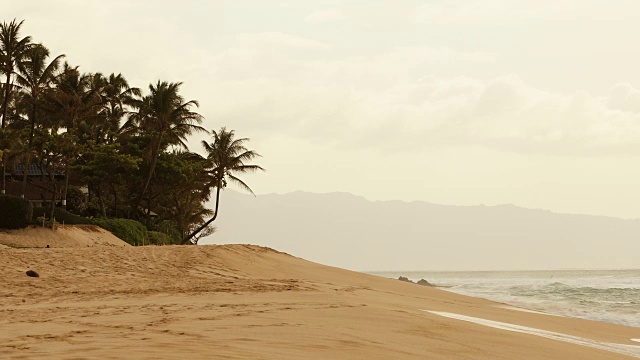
{"points": [[252, 302], [630, 350], [606, 296]]}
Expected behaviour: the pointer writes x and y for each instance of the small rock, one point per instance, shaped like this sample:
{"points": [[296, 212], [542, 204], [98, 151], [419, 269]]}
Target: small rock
{"points": [[424, 282], [32, 273], [405, 279]]}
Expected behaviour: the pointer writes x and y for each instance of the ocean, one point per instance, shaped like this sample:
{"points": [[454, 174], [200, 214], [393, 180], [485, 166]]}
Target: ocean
{"points": [[604, 295]]}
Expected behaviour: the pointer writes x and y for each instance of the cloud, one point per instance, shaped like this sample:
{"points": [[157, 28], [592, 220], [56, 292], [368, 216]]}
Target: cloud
{"points": [[483, 12], [326, 16], [282, 41], [459, 12], [276, 83], [624, 97], [391, 101]]}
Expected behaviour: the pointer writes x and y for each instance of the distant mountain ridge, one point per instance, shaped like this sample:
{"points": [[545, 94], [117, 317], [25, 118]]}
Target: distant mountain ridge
{"points": [[350, 231]]}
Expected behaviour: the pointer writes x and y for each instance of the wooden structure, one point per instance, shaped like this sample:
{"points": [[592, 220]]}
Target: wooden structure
{"points": [[39, 188]]}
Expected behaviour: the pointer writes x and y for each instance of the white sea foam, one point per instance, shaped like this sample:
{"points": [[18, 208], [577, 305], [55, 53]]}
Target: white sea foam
{"points": [[631, 350], [602, 295], [524, 310]]}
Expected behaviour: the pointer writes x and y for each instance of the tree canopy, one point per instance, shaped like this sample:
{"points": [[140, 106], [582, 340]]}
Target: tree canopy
{"points": [[104, 149]]}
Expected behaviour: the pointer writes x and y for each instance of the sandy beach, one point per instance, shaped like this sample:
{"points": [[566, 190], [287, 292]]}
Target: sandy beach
{"points": [[192, 179], [242, 301]]}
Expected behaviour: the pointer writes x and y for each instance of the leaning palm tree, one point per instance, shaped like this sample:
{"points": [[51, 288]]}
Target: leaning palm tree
{"points": [[166, 118], [227, 157]]}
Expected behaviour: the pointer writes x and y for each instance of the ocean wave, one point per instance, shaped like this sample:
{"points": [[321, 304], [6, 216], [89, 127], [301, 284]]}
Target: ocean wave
{"points": [[610, 296]]}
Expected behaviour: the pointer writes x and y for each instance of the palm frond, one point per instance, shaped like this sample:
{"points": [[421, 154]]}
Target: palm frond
{"points": [[241, 184]]}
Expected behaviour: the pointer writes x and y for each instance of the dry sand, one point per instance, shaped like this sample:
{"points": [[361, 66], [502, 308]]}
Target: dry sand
{"points": [[248, 302], [63, 236]]}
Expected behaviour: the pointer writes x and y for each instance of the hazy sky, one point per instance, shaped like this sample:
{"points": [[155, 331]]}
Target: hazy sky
{"points": [[532, 102]]}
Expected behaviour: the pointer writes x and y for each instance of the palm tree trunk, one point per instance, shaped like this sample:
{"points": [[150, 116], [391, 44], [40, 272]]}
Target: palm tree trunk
{"points": [[215, 215], [148, 213], [53, 192], [115, 200], [5, 102], [4, 176], [25, 170], [28, 158], [66, 187], [103, 208], [154, 160], [33, 124]]}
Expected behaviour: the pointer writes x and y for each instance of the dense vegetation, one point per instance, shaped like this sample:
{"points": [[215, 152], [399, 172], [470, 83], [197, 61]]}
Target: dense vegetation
{"points": [[128, 230], [61, 216], [113, 151], [15, 213]]}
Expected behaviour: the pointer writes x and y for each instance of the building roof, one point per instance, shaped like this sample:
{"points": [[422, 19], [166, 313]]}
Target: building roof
{"points": [[32, 170]]}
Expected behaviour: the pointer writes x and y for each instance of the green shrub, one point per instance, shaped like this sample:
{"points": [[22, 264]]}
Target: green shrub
{"points": [[61, 215], [131, 231], [15, 212], [168, 228], [158, 238]]}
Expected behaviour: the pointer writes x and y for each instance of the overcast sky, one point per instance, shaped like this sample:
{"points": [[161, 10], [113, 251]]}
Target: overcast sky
{"points": [[531, 102]]}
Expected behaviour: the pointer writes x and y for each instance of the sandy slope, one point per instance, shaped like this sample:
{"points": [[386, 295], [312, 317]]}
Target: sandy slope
{"points": [[240, 302], [63, 236]]}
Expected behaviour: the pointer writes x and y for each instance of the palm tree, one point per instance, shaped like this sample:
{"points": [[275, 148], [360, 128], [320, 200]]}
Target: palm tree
{"points": [[12, 49], [227, 157], [183, 189], [35, 77], [76, 98], [116, 95], [166, 118], [190, 213], [74, 102]]}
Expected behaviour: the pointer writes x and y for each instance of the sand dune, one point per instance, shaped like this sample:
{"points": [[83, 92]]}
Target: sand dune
{"points": [[63, 236], [240, 301]]}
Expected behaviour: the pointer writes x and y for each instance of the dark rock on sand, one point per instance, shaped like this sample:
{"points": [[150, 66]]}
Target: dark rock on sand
{"points": [[32, 273], [424, 282]]}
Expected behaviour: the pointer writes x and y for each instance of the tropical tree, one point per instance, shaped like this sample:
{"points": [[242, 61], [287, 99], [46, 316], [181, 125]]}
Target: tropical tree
{"points": [[76, 98], [67, 124], [52, 149], [179, 191], [227, 157], [73, 104], [117, 95], [166, 119], [105, 169], [12, 50], [36, 78]]}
